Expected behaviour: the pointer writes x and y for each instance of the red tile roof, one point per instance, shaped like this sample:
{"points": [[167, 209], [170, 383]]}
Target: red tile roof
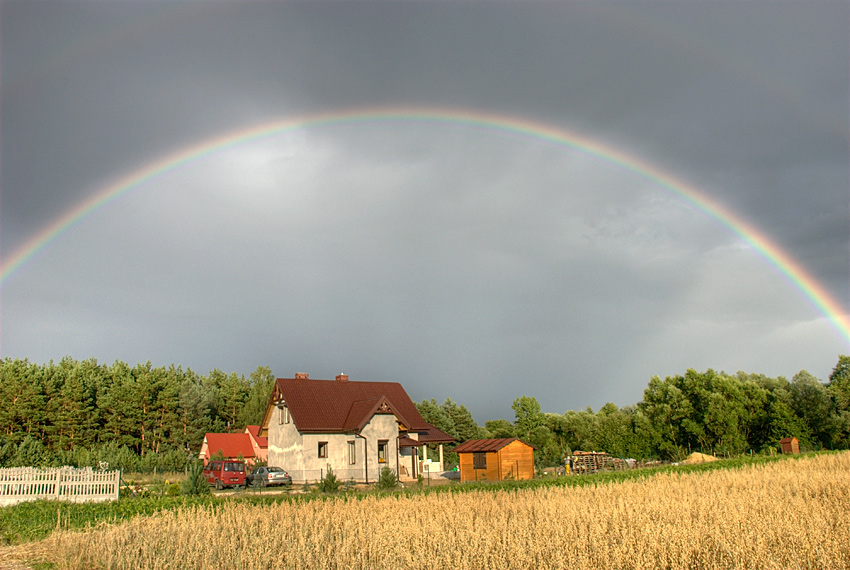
{"points": [[474, 445], [230, 444], [254, 431], [341, 406]]}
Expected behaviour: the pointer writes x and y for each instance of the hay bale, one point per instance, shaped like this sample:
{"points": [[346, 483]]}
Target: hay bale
{"points": [[697, 457]]}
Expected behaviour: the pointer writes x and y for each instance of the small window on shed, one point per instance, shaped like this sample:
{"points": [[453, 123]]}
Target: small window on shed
{"points": [[479, 460], [323, 449]]}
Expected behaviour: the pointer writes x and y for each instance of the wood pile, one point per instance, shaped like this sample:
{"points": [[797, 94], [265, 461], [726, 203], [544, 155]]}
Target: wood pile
{"points": [[590, 462]]}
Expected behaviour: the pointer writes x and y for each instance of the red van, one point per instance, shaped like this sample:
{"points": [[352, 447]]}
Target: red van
{"points": [[229, 473]]}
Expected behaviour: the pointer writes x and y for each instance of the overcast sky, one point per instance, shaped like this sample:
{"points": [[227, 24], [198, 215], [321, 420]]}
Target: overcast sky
{"points": [[460, 260]]}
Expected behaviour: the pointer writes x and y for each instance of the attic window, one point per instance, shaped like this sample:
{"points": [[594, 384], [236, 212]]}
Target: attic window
{"points": [[285, 418]]}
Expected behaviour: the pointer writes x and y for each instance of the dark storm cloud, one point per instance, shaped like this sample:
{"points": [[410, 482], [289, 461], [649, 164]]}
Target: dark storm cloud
{"points": [[462, 263]]}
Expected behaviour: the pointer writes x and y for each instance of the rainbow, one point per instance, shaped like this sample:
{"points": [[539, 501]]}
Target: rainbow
{"points": [[786, 265]]}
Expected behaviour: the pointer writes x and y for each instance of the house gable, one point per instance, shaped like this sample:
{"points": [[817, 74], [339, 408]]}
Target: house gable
{"points": [[362, 411], [258, 442]]}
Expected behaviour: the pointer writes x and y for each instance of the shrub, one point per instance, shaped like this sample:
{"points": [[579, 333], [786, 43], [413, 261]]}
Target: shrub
{"points": [[329, 483], [195, 483], [387, 479]]}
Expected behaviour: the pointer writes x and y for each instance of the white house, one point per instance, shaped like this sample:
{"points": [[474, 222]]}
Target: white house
{"points": [[355, 428]]}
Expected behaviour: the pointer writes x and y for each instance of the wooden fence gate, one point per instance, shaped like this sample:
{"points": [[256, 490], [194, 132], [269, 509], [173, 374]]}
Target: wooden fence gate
{"points": [[63, 484]]}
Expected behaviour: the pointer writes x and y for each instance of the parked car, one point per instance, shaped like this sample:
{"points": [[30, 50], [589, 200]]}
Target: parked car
{"points": [[267, 476], [230, 473]]}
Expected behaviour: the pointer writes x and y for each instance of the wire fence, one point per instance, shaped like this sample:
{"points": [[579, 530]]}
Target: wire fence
{"points": [[357, 474]]}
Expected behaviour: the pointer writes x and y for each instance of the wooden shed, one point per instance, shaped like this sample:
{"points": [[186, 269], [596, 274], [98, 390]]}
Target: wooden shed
{"points": [[495, 459], [789, 445]]}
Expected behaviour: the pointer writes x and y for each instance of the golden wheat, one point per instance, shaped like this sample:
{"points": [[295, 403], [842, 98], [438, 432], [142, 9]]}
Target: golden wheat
{"points": [[789, 514]]}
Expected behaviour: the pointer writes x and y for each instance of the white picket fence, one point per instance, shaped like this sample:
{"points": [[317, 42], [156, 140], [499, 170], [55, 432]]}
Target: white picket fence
{"points": [[63, 484]]}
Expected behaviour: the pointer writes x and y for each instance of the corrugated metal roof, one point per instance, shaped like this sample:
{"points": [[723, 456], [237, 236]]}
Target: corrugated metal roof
{"points": [[332, 406], [474, 445]]}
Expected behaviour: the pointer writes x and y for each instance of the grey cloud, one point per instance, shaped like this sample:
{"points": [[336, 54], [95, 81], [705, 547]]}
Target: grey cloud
{"points": [[463, 262]]}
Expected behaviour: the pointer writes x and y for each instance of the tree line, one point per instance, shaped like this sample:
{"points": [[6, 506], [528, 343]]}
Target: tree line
{"points": [[144, 418], [139, 418], [710, 412]]}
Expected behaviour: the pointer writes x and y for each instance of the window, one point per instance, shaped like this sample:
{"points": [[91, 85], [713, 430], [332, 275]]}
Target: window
{"points": [[382, 450], [352, 453], [285, 418], [323, 449], [479, 460]]}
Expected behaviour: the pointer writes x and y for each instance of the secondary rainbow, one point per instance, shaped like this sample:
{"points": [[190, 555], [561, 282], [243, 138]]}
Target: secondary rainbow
{"points": [[787, 266]]}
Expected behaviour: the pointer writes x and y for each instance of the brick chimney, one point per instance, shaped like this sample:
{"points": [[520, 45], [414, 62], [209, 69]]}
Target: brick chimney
{"points": [[302, 376], [342, 377]]}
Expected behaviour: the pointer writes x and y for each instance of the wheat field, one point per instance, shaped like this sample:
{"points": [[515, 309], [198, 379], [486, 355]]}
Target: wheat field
{"points": [[786, 514]]}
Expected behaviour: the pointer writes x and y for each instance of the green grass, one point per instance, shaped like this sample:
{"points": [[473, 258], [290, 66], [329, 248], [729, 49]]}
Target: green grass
{"points": [[27, 522]]}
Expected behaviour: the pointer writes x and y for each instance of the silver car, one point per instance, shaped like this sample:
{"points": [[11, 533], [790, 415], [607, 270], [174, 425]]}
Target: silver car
{"points": [[268, 476]]}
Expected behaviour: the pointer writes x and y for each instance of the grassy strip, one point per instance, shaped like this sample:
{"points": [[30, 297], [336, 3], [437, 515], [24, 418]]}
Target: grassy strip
{"points": [[36, 520], [610, 477]]}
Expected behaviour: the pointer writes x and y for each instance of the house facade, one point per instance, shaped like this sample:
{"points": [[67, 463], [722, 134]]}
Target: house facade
{"points": [[354, 428]]}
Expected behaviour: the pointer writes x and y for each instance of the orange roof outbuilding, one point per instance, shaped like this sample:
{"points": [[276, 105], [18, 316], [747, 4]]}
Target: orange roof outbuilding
{"points": [[495, 459], [231, 445]]}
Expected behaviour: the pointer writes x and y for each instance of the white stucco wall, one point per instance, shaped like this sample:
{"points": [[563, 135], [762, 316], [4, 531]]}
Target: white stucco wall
{"points": [[381, 427], [298, 454], [285, 444]]}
